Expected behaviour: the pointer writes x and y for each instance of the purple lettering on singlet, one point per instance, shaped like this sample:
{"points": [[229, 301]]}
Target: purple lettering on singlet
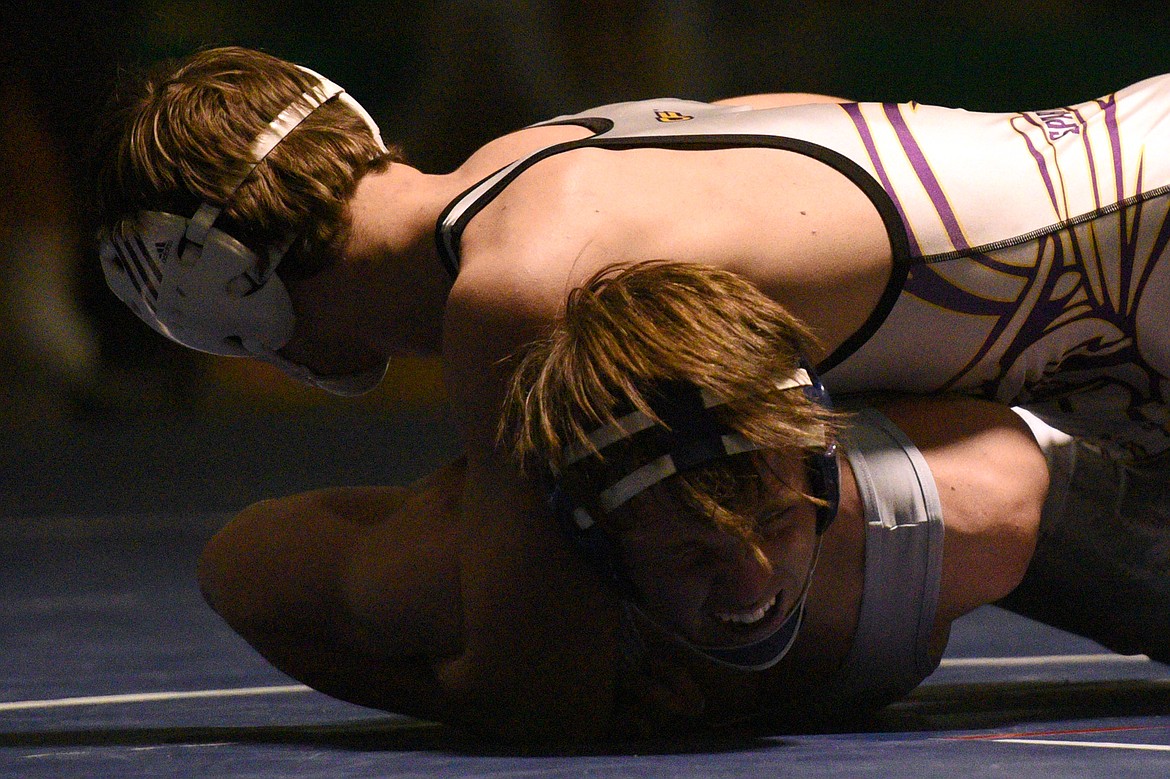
{"points": [[1059, 122]]}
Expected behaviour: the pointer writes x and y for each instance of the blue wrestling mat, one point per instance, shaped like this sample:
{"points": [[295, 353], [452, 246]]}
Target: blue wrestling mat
{"points": [[114, 667]]}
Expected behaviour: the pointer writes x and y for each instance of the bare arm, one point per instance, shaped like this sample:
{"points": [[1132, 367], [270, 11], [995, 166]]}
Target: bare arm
{"points": [[377, 596], [557, 665], [992, 481], [354, 591], [779, 99], [454, 600]]}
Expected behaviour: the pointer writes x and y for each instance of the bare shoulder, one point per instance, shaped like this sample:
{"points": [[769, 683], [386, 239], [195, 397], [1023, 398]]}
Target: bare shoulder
{"points": [[520, 258], [553, 193], [508, 148]]}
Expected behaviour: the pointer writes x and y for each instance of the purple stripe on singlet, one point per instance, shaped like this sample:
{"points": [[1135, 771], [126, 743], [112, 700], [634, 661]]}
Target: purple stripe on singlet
{"points": [[1109, 108], [1156, 252], [1128, 251], [926, 176], [854, 112], [1041, 163], [1090, 159]]}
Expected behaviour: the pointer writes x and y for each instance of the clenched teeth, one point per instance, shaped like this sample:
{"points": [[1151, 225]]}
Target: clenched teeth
{"points": [[747, 618]]}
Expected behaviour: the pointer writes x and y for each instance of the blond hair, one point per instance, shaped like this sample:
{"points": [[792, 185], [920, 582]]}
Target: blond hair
{"points": [[631, 328], [185, 134]]}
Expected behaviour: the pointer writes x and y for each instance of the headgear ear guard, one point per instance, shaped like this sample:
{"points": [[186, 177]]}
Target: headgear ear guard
{"points": [[200, 287], [596, 546], [695, 438], [824, 480]]}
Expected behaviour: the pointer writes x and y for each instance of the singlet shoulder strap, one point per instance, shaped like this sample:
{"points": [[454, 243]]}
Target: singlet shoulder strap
{"points": [[672, 123], [903, 564]]}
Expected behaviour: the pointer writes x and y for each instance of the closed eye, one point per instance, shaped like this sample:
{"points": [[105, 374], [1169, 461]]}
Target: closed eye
{"points": [[776, 519], [689, 556]]}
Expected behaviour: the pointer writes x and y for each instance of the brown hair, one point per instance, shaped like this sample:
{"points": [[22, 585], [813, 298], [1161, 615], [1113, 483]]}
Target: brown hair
{"points": [[185, 133], [631, 328]]}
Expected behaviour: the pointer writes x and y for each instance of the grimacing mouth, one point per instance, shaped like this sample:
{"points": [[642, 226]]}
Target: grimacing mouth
{"points": [[730, 628], [746, 617]]}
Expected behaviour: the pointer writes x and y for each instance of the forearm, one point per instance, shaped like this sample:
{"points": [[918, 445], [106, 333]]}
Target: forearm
{"points": [[352, 591], [394, 599], [779, 100]]}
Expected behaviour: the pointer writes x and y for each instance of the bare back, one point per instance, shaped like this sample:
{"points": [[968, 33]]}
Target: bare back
{"points": [[774, 216]]}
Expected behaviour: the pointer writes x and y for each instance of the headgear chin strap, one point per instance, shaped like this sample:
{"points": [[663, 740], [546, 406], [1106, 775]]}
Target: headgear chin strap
{"points": [[198, 286], [763, 653], [348, 384], [694, 438]]}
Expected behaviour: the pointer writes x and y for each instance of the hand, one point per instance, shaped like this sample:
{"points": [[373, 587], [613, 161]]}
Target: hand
{"points": [[658, 698]]}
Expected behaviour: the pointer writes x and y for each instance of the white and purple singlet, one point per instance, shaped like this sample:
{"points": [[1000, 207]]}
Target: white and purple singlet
{"points": [[1034, 241]]}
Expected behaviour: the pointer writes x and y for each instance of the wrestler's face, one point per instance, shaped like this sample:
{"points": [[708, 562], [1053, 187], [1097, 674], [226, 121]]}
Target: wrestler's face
{"points": [[709, 585]]}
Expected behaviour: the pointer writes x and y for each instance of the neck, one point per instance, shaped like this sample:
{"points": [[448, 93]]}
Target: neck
{"points": [[392, 250]]}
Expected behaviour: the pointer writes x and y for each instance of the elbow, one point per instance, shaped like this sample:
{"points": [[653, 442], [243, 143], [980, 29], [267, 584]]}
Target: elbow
{"points": [[1018, 527], [230, 572], [985, 566], [1015, 552], [990, 546], [1020, 479]]}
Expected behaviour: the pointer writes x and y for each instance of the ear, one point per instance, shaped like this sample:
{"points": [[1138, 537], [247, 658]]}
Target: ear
{"points": [[783, 468]]}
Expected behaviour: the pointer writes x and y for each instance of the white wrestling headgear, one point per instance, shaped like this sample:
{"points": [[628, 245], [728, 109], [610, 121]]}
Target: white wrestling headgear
{"points": [[202, 288]]}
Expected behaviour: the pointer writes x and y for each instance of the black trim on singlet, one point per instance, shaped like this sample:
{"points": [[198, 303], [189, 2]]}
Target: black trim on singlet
{"points": [[873, 190], [597, 124], [447, 257]]}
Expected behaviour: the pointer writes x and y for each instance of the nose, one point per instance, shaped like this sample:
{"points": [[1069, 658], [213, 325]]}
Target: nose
{"points": [[745, 573]]}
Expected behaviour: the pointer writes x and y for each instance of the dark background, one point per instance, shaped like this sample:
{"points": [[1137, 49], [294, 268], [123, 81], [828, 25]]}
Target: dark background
{"points": [[102, 416]]}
